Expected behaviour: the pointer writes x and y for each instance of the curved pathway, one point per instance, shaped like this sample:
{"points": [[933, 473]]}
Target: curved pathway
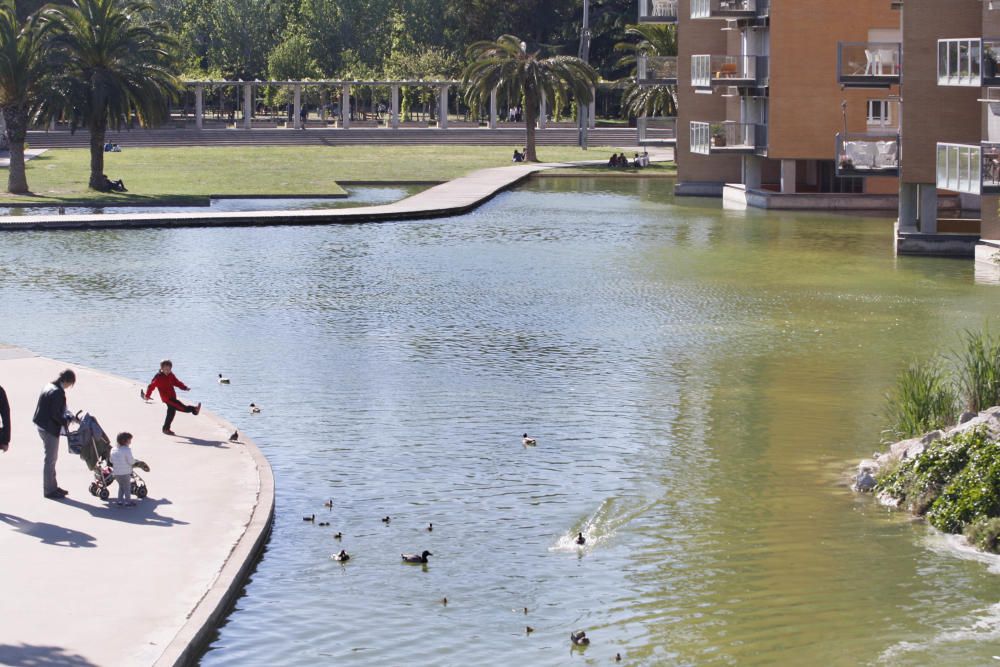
{"points": [[84, 583]]}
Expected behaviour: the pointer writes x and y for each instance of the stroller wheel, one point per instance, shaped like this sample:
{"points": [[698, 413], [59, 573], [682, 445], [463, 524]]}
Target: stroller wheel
{"points": [[93, 488], [141, 492], [105, 494]]}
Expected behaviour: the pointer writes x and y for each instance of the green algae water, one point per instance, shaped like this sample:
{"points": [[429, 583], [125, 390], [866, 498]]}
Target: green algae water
{"points": [[700, 383]]}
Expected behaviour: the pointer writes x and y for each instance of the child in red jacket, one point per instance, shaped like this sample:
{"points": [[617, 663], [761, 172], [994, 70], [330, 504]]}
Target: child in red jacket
{"points": [[165, 381]]}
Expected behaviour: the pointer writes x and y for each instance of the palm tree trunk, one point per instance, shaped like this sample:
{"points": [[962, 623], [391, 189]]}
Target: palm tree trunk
{"points": [[16, 118], [97, 135], [530, 118]]}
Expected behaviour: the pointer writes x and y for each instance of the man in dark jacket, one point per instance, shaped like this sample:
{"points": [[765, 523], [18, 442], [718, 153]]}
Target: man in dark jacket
{"points": [[50, 418], [4, 421]]}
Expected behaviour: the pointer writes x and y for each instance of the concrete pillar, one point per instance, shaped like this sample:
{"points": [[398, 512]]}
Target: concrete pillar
{"points": [[443, 107], [788, 177], [493, 109], [52, 124], [247, 106], [752, 167], [592, 109], [345, 106], [199, 106], [395, 107], [541, 111], [908, 207], [928, 208], [297, 107]]}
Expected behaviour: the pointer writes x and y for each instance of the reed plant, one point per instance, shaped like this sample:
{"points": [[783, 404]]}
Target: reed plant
{"points": [[978, 368], [924, 399]]}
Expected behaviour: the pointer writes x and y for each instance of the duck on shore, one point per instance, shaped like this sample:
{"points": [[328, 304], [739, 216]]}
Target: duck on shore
{"points": [[416, 558]]}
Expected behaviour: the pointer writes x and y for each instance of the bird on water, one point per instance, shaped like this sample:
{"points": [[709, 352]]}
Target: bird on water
{"points": [[528, 442], [416, 558]]}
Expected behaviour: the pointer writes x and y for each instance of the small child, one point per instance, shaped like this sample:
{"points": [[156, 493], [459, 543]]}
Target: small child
{"points": [[165, 381], [121, 463]]}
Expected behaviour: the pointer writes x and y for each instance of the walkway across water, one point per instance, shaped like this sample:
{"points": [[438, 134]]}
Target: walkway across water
{"points": [[87, 583]]}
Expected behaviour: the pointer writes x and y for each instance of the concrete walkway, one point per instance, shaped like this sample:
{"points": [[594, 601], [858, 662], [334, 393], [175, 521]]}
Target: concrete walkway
{"points": [[85, 583], [29, 155], [452, 198]]}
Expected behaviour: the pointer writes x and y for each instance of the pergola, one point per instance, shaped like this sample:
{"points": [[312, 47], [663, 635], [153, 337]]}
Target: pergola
{"points": [[442, 87]]}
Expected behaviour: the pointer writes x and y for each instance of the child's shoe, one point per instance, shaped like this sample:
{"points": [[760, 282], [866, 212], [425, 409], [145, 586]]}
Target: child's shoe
{"points": [[197, 409], [167, 431]]}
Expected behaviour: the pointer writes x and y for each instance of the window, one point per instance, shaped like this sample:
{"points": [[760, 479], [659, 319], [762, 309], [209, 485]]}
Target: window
{"points": [[959, 168], [960, 62], [879, 113]]}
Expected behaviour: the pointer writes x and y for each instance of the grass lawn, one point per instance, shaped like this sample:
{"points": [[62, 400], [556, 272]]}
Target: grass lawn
{"points": [[190, 174], [665, 169]]}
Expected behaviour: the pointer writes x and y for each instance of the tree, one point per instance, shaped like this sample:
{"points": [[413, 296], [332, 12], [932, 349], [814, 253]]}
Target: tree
{"points": [[113, 67], [23, 65], [507, 66], [654, 40]]}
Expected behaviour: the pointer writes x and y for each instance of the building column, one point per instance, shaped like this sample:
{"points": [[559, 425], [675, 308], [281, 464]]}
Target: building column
{"points": [[907, 207], [928, 208], [247, 106], [345, 106], [788, 177], [297, 107], [592, 109], [493, 109], [541, 111], [199, 106], [443, 107], [752, 166], [395, 106]]}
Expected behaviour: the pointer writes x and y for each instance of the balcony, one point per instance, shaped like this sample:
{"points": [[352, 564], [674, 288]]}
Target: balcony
{"points": [[867, 155], [869, 64], [657, 71], [968, 62], [657, 131], [741, 71], [726, 9], [658, 11], [968, 168], [728, 137]]}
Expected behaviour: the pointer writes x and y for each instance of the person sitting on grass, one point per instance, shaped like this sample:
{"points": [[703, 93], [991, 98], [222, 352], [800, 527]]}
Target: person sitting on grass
{"points": [[613, 162], [518, 157], [112, 186]]}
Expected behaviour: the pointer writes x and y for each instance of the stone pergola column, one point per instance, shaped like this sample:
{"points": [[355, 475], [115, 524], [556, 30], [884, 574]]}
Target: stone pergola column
{"points": [[443, 107], [199, 106], [345, 106], [493, 109], [541, 111], [297, 106], [247, 106], [592, 109], [395, 106]]}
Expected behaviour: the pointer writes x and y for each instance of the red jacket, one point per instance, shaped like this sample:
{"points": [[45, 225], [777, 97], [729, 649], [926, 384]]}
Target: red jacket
{"points": [[166, 384]]}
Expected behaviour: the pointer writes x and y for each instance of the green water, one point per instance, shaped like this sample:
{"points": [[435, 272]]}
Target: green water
{"points": [[700, 382]]}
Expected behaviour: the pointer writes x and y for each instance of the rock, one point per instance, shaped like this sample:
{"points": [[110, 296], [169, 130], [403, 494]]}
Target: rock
{"points": [[967, 416], [864, 482], [932, 437]]}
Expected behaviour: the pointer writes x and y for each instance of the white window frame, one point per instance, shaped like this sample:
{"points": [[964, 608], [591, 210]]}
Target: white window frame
{"points": [[959, 167], [960, 62]]}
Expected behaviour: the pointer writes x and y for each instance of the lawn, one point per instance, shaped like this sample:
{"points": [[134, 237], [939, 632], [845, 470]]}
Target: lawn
{"points": [[162, 175]]}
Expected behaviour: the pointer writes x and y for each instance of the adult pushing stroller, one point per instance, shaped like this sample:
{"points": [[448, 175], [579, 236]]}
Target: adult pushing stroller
{"points": [[93, 445]]}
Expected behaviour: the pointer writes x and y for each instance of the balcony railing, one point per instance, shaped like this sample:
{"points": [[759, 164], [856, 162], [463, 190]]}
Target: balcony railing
{"points": [[867, 155], [727, 137], [869, 64], [968, 62], [657, 70], [658, 11], [708, 71], [660, 130], [725, 9], [969, 168]]}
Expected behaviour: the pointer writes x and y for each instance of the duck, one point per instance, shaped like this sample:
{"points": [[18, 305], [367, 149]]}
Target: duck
{"points": [[416, 558], [528, 442], [323, 524], [430, 527], [579, 638], [338, 536], [329, 503], [235, 437], [528, 629], [444, 601], [580, 539], [311, 517], [254, 410], [223, 380], [343, 556], [525, 611], [386, 519], [618, 657]]}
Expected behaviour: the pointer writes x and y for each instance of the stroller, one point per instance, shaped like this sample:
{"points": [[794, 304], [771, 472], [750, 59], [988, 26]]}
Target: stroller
{"points": [[94, 447]]}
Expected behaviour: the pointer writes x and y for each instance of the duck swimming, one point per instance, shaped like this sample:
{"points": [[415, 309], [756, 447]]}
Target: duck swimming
{"points": [[528, 442], [322, 524], [416, 558], [223, 380], [311, 517], [580, 539], [337, 536], [386, 519], [254, 410], [579, 638], [328, 503], [343, 556], [430, 527]]}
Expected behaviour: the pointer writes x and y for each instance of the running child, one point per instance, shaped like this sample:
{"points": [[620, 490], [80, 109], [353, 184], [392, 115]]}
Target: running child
{"points": [[165, 381]]}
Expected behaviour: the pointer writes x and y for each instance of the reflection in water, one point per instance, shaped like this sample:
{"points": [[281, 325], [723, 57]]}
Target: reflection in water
{"points": [[698, 381]]}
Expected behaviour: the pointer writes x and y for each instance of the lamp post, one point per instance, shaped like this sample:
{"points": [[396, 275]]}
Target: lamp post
{"points": [[582, 109]]}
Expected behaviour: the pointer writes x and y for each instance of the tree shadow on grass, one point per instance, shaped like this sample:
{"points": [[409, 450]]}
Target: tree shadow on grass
{"points": [[28, 655], [143, 514], [48, 533]]}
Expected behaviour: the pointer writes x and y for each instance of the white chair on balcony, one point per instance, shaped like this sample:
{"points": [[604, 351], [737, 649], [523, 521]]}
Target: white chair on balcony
{"points": [[887, 155], [664, 7]]}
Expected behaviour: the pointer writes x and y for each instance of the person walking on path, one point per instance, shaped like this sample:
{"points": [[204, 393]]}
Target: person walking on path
{"points": [[121, 467], [165, 382], [51, 417], [4, 421]]}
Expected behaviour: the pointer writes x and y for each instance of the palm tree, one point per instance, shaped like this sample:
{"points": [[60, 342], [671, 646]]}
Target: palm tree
{"points": [[114, 65], [654, 40], [23, 65], [507, 66]]}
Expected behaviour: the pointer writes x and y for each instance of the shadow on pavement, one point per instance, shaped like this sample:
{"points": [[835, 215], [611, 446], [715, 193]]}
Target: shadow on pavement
{"points": [[143, 514], [25, 655], [48, 533], [205, 443]]}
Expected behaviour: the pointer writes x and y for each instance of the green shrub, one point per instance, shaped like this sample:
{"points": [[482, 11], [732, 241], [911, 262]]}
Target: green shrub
{"points": [[985, 534], [923, 400], [974, 493], [918, 481], [979, 370]]}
